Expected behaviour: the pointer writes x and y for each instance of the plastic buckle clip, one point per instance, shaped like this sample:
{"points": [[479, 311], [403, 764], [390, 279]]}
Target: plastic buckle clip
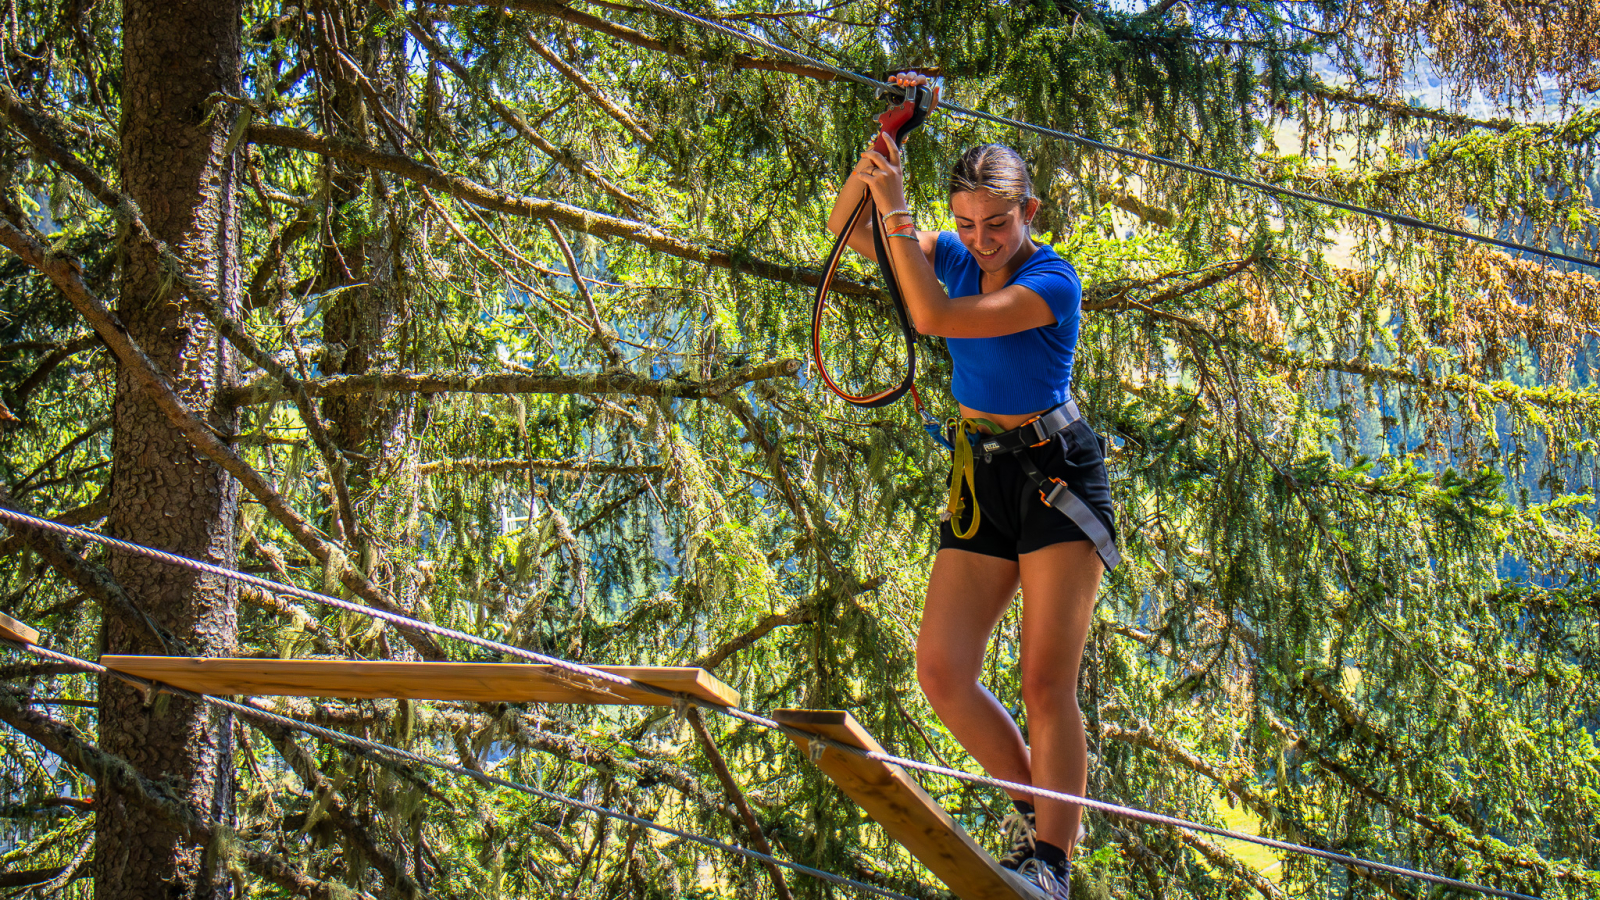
{"points": [[935, 429]]}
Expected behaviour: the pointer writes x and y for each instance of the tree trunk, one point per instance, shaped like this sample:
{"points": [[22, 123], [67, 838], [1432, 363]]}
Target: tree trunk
{"points": [[176, 53]]}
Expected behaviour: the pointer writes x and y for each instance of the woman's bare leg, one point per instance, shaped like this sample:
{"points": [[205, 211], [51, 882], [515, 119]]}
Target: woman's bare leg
{"points": [[967, 595], [1059, 585]]}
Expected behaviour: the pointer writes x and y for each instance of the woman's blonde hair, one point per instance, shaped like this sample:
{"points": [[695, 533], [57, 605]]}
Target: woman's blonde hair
{"points": [[995, 168]]}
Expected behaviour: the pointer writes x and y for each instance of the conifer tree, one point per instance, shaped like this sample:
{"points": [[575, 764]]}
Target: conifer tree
{"points": [[496, 321]]}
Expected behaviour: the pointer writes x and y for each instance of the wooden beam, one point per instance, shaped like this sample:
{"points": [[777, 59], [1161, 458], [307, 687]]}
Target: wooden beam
{"points": [[485, 682], [17, 631], [906, 811]]}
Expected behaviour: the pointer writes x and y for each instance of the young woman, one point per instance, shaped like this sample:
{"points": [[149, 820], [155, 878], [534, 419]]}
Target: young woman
{"points": [[1010, 309]]}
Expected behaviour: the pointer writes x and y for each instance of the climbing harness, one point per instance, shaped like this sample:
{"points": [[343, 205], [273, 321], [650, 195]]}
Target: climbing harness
{"points": [[916, 102], [1053, 492]]}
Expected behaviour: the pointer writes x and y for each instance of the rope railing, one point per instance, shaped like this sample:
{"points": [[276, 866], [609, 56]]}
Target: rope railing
{"points": [[683, 700], [1104, 147]]}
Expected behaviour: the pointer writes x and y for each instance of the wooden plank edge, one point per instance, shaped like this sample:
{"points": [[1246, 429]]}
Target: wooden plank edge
{"points": [[687, 679], [704, 685], [860, 737], [17, 631]]}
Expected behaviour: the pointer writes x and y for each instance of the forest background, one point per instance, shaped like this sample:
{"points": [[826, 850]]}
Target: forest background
{"points": [[491, 314]]}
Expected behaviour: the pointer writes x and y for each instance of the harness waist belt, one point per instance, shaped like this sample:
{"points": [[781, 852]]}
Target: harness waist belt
{"points": [[1032, 432], [1053, 491]]}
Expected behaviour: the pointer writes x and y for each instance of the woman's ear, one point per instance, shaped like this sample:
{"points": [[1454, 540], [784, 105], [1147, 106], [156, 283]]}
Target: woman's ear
{"points": [[1030, 209]]}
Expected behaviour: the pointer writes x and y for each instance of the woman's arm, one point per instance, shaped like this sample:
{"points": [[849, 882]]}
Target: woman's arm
{"points": [[1006, 311], [860, 239]]}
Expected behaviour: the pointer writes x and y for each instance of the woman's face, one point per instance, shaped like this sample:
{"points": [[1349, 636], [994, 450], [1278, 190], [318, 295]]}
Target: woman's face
{"points": [[995, 230]]}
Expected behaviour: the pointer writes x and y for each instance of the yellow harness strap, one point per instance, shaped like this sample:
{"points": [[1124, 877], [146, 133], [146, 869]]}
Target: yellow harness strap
{"points": [[962, 469]]}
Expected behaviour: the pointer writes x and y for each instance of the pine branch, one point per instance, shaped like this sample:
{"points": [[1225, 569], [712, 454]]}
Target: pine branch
{"points": [[489, 466], [1267, 811], [30, 877], [126, 211], [569, 160], [730, 789], [1112, 296], [1398, 109], [1358, 724], [255, 296], [640, 768], [574, 217], [605, 337], [266, 390], [640, 39], [94, 428], [798, 615], [296, 616], [801, 614], [605, 512], [1129, 202], [90, 578], [1229, 863], [20, 671], [1504, 860], [395, 879], [1554, 397], [45, 367], [117, 775], [797, 504], [589, 89], [66, 274]]}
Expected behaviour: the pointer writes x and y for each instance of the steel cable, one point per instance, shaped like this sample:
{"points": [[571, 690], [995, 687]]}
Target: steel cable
{"points": [[1240, 180], [681, 700]]}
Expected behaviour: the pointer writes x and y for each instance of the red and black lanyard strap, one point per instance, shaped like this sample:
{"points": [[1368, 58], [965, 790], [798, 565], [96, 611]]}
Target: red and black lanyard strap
{"points": [[899, 120]]}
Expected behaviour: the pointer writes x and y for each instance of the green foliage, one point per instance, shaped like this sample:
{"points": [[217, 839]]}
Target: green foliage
{"points": [[1354, 465]]}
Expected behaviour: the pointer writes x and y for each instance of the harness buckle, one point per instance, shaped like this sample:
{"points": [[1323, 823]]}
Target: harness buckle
{"points": [[1054, 492], [1039, 432]]}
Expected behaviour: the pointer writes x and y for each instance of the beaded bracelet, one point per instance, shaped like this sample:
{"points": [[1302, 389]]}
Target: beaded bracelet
{"points": [[897, 212]]}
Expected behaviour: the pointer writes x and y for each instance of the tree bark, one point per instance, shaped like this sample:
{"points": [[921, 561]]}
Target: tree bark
{"points": [[176, 53]]}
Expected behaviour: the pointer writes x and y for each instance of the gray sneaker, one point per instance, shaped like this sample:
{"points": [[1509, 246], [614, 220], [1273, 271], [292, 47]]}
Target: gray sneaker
{"points": [[1051, 882], [1020, 827]]}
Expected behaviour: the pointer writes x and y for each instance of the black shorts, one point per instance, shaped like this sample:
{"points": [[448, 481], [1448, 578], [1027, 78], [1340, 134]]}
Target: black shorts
{"points": [[1015, 518]]}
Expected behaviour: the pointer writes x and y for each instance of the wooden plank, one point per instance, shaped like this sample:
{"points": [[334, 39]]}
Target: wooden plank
{"points": [[488, 682], [906, 811], [17, 631]]}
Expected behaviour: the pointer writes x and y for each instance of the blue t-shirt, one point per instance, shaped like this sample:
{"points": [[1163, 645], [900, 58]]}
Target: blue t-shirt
{"points": [[1022, 372]]}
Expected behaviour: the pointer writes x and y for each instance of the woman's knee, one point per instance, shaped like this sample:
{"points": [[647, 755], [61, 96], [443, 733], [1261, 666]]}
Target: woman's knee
{"points": [[943, 682], [1049, 690]]}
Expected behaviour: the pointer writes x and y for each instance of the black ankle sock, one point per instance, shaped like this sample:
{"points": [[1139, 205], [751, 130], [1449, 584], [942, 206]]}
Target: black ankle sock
{"points": [[1023, 807], [1050, 853]]}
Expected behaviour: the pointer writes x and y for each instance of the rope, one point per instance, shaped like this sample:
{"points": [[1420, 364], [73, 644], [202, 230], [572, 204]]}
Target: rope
{"points": [[357, 746], [680, 699], [1091, 143]]}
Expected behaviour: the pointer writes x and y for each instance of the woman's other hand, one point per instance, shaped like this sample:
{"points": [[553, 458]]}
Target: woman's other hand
{"points": [[882, 175], [907, 79]]}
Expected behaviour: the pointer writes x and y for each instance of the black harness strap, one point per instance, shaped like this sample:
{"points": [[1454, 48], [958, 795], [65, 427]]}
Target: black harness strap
{"points": [[1053, 491]]}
